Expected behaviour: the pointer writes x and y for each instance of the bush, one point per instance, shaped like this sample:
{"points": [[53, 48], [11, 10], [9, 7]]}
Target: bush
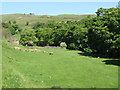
{"points": [[12, 30], [72, 46], [27, 23], [88, 50], [63, 45]]}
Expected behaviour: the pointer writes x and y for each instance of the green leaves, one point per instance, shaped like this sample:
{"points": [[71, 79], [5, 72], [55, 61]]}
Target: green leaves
{"points": [[28, 37], [104, 32]]}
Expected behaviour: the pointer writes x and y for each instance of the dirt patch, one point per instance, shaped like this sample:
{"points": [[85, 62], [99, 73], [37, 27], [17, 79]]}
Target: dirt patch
{"points": [[18, 48], [29, 50], [33, 50], [56, 47], [13, 40]]}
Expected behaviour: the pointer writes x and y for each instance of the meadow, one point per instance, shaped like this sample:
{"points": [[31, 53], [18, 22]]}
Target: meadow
{"points": [[64, 69]]}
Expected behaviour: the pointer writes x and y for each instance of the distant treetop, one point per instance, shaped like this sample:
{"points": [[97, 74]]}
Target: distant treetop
{"points": [[31, 13]]}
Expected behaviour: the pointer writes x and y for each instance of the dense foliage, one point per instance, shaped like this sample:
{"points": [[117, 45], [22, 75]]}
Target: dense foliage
{"points": [[68, 32], [28, 37], [104, 32]]}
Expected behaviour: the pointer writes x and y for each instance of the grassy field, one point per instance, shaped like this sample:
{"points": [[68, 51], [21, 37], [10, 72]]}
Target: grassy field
{"points": [[65, 69]]}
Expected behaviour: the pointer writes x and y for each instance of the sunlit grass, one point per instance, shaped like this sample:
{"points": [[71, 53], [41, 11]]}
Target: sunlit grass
{"points": [[65, 69]]}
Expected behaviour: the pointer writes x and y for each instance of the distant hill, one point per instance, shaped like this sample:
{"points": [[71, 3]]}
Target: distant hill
{"points": [[21, 19]]}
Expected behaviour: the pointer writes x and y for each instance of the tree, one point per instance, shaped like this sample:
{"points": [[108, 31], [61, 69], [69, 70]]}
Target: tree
{"points": [[14, 22], [9, 22], [12, 30], [12, 27], [15, 26], [27, 23], [45, 34], [5, 25], [104, 32], [28, 37], [31, 13]]}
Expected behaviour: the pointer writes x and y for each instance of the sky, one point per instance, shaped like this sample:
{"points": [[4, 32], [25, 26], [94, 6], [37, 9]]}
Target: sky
{"points": [[54, 8]]}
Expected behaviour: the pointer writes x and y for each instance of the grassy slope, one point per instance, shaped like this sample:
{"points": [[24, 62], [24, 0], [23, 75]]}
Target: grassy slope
{"points": [[66, 69], [0, 64], [21, 19]]}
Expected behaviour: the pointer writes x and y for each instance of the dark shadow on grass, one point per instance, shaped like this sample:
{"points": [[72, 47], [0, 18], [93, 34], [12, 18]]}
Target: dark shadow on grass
{"points": [[88, 54], [97, 55], [112, 62]]}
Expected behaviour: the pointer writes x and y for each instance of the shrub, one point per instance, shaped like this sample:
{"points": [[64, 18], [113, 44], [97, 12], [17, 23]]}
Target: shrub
{"points": [[88, 50], [72, 46], [63, 45], [12, 30], [27, 23], [14, 22]]}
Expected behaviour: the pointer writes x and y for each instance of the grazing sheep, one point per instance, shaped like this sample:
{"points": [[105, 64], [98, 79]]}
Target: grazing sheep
{"points": [[50, 53], [18, 48], [98, 57]]}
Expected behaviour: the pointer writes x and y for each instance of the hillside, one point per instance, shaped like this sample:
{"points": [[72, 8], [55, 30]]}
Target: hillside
{"points": [[21, 19]]}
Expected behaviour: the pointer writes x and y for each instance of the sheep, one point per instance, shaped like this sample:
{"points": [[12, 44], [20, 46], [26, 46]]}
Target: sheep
{"points": [[98, 57], [50, 53], [18, 48]]}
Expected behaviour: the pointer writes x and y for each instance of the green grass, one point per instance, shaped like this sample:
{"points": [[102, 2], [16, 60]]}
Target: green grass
{"points": [[65, 68], [17, 36]]}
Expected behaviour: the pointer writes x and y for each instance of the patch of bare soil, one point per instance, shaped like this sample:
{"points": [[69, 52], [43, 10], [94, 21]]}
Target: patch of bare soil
{"points": [[56, 47], [32, 50], [28, 50]]}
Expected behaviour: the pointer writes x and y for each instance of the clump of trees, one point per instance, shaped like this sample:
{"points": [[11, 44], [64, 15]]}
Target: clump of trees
{"points": [[28, 37], [13, 27], [98, 35]]}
